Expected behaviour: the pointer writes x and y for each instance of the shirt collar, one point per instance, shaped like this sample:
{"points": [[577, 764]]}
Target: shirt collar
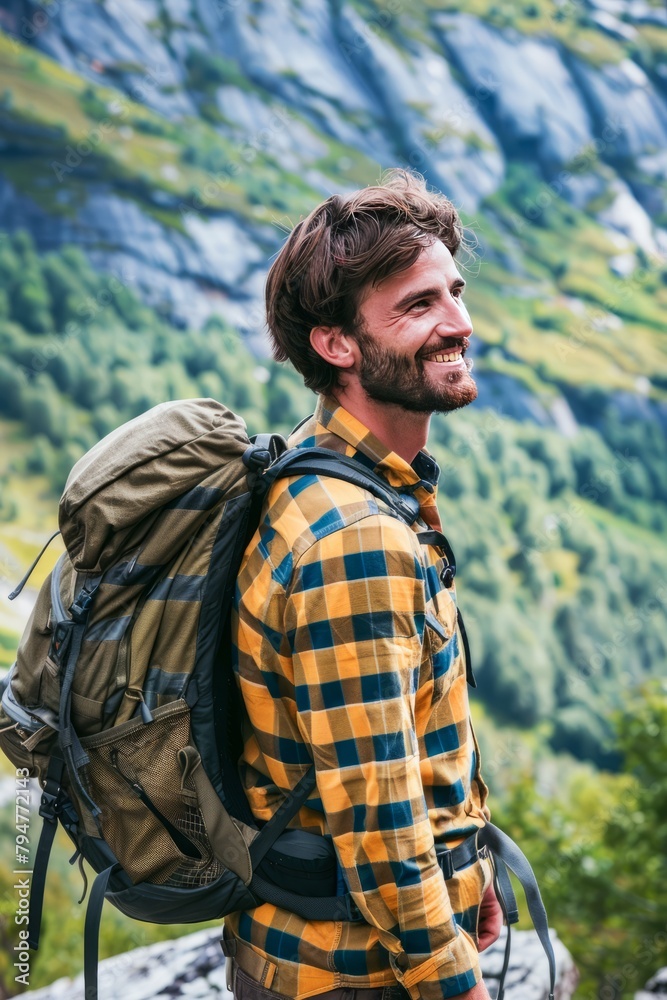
{"points": [[332, 426]]}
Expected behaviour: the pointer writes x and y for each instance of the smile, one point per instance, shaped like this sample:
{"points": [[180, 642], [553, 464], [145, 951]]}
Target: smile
{"points": [[449, 354], [446, 358]]}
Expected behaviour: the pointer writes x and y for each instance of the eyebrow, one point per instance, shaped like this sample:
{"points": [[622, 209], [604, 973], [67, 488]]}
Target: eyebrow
{"points": [[426, 293]]}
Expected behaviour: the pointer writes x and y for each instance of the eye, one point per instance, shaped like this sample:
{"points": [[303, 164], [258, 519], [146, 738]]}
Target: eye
{"points": [[458, 292], [421, 304]]}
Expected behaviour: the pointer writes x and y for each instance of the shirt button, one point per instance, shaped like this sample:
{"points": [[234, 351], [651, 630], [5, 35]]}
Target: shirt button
{"points": [[447, 575]]}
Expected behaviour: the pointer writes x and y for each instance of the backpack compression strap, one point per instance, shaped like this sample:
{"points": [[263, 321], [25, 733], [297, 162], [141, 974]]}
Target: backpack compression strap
{"points": [[67, 755], [49, 810]]}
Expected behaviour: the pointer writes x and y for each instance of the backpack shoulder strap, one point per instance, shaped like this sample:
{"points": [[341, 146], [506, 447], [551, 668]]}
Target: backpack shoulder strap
{"points": [[324, 462]]}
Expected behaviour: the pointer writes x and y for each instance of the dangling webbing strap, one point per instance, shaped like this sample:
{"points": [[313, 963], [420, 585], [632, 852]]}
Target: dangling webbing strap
{"points": [[500, 894], [505, 887], [91, 934], [19, 587], [49, 809], [508, 853]]}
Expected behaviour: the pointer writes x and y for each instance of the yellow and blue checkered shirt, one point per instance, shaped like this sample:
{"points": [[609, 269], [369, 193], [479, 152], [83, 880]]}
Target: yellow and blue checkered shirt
{"points": [[348, 654]]}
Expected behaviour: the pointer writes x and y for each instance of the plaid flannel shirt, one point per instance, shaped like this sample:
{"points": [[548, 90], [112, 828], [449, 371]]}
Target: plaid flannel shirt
{"points": [[339, 663]]}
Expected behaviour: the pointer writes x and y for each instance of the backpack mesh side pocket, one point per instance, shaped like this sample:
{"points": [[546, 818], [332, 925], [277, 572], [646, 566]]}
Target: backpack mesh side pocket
{"points": [[149, 811]]}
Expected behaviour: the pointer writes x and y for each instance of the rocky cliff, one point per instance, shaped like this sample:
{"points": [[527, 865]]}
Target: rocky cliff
{"points": [[208, 126]]}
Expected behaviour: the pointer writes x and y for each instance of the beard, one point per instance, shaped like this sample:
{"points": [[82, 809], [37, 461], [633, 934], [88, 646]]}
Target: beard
{"points": [[388, 377]]}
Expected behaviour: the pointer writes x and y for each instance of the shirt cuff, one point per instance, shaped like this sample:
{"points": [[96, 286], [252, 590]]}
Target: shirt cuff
{"points": [[450, 972]]}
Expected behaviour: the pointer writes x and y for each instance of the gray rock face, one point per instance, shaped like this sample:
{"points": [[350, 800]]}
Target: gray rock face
{"points": [[528, 93], [627, 216], [292, 51], [437, 127], [655, 988], [269, 126], [631, 118], [188, 277], [194, 967], [113, 38]]}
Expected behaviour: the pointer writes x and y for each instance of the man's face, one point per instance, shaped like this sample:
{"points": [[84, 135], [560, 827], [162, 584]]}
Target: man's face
{"points": [[412, 332]]}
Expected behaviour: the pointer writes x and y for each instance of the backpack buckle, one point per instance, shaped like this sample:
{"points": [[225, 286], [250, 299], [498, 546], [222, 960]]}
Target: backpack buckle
{"points": [[257, 458], [409, 506], [81, 606], [60, 641], [446, 863], [50, 805]]}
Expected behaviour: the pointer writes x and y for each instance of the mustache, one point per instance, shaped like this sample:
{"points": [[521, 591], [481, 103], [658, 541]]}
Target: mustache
{"points": [[446, 346]]}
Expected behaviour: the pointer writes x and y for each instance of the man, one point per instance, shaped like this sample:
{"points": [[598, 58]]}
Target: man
{"points": [[348, 648]]}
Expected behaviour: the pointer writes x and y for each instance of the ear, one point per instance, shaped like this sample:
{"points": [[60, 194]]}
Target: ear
{"points": [[336, 347]]}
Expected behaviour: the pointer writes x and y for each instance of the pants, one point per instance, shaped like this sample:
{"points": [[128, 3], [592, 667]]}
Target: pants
{"points": [[246, 988]]}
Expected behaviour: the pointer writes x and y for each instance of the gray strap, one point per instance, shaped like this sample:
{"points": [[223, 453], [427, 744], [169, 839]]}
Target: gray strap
{"points": [[508, 941], [511, 909], [503, 847], [91, 934], [19, 587], [72, 631], [74, 753]]}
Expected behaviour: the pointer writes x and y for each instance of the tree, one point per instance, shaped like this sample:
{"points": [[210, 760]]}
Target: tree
{"points": [[31, 303]]}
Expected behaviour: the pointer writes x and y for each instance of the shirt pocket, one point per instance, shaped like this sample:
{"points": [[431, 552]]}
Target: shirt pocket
{"points": [[441, 644]]}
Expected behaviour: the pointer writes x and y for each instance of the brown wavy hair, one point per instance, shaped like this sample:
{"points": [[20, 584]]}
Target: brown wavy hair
{"points": [[345, 244]]}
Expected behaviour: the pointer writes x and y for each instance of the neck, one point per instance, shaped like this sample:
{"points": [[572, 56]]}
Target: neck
{"points": [[402, 431]]}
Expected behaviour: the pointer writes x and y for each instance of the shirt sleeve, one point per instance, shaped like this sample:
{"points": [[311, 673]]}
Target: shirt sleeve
{"points": [[354, 616]]}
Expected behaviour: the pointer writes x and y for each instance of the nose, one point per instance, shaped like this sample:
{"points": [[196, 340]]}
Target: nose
{"points": [[454, 320]]}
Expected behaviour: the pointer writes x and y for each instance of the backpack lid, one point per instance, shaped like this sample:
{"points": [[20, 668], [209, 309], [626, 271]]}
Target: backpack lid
{"points": [[137, 469]]}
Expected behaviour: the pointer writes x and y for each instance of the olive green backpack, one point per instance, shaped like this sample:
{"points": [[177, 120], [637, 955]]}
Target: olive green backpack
{"points": [[122, 699]]}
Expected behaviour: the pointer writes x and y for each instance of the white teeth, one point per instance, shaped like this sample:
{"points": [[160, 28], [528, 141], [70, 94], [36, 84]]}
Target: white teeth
{"points": [[447, 357]]}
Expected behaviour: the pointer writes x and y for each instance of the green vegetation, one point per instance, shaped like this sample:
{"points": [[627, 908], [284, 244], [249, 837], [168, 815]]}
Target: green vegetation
{"points": [[560, 543], [568, 23], [578, 323], [73, 344], [597, 843], [208, 71]]}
